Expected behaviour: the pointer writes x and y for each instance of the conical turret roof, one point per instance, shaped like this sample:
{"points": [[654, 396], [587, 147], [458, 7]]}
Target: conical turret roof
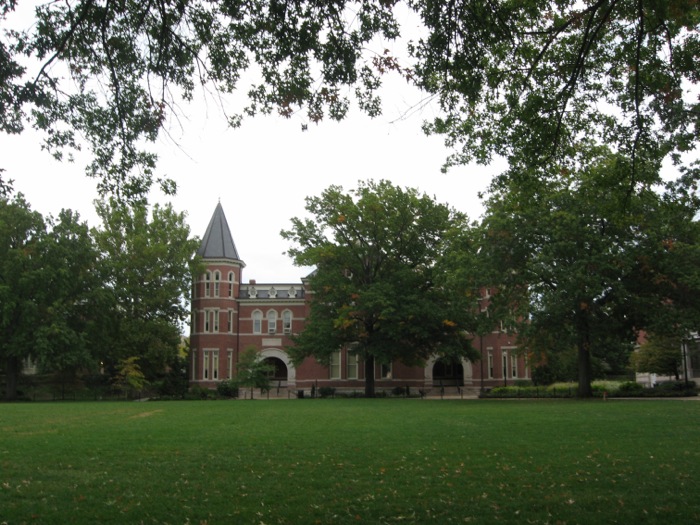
{"points": [[217, 242]]}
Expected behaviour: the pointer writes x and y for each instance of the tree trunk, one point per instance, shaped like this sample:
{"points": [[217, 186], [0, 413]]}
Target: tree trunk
{"points": [[369, 376], [12, 370], [584, 367]]}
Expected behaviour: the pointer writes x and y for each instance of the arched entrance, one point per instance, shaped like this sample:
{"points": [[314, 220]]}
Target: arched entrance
{"points": [[448, 373], [284, 372], [279, 369]]}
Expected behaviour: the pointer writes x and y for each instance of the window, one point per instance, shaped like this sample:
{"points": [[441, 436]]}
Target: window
{"points": [[335, 365], [211, 365], [230, 284], [514, 365], [272, 292], [292, 292], [215, 321], [271, 322], [207, 325], [217, 284], [229, 364], [505, 364], [352, 366], [490, 363], [229, 323], [287, 322], [207, 284], [385, 371], [252, 292], [257, 322]]}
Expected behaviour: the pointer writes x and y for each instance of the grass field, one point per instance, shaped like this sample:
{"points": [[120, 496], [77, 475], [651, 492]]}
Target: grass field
{"points": [[350, 461]]}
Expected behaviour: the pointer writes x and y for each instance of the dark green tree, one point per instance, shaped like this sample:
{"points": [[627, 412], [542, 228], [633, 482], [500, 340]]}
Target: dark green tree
{"points": [[252, 371], [376, 287], [660, 355], [73, 305], [129, 378], [590, 257], [21, 284], [521, 79], [147, 263]]}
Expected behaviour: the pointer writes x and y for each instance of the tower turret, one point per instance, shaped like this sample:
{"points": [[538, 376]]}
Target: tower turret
{"points": [[214, 326]]}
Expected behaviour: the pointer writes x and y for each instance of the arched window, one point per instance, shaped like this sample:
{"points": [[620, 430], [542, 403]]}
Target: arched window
{"points": [[257, 322], [271, 321], [287, 322], [217, 281]]}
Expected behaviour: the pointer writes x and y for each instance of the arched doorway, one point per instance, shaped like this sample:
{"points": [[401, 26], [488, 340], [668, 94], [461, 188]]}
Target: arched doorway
{"points": [[448, 373], [279, 369], [284, 372]]}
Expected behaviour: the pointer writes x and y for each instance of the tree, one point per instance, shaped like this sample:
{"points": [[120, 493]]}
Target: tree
{"points": [[21, 234], [376, 288], [147, 264], [253, 372], [590, 257], [660, 355], [72, 305], [48, 289], [520, 79], [129, 377]]}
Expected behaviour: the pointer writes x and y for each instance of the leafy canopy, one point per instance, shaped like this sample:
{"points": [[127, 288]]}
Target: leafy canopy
{"points": [[377, 287], [591, 257], [524, 79]]}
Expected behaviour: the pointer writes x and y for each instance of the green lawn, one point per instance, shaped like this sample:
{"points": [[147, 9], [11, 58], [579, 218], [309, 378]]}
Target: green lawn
{"points": [[351, 461]]}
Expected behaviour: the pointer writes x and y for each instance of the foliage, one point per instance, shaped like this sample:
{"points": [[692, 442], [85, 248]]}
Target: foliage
{"points": [[252, 371], [147, 264], [48, 291], [600, 389], [377, 280], [589, 257], [75, 300], [519, 79], [660, 354], [227, 389], [21, 234], [129, 377], [326, 391], [174, 382]]}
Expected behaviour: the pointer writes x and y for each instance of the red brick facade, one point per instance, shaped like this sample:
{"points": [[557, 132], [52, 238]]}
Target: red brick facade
{"points": [[228, 317]]}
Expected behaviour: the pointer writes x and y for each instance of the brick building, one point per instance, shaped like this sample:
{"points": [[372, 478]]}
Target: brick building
{"points": [[229, 316]]}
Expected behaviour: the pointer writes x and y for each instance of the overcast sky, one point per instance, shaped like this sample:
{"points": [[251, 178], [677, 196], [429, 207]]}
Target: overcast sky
{"points": [[262, 171]]}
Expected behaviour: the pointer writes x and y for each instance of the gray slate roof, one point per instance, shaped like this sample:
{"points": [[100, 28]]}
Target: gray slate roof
{"points": [[218, 241]]}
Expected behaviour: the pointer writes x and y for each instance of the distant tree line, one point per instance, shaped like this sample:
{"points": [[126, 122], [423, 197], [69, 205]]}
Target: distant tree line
{"points": [[80, 301]]}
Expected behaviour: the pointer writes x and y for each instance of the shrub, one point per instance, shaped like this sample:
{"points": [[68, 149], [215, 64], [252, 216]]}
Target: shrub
{"points": [[326, 391], [542, 375], [398, 391], [199, 392], [227, 389], [630, 387]]}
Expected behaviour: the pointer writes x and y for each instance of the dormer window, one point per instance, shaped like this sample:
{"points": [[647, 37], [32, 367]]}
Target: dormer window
{"points": [[273, 292], [252, 292], [292, 292]]}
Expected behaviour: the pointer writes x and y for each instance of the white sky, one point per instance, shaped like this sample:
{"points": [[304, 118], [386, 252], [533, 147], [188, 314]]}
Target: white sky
{"points": [[262, 172]]}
